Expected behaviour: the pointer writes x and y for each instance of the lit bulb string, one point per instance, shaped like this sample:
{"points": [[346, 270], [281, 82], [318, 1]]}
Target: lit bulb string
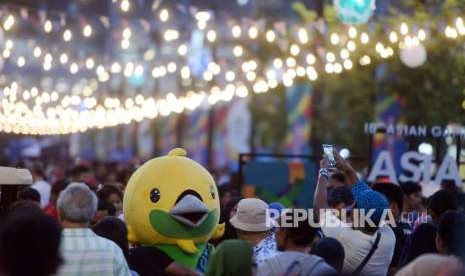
{"points": [[253, 32], [270, 35], [16, 117], [172, 104]]}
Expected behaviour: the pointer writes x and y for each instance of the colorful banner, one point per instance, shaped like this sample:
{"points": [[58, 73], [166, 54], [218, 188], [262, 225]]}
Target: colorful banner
{"points": [[219, 148], [299, 110], [291, 184], [196, 137], [167, 133], [389, 110]]}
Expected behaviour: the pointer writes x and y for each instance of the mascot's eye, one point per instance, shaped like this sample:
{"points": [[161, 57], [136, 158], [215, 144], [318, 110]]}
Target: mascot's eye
{"points": [[155, 195], [212, 191]]}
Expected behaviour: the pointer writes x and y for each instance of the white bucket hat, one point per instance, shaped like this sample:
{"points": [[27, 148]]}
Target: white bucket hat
{"points": [[252, 216]]}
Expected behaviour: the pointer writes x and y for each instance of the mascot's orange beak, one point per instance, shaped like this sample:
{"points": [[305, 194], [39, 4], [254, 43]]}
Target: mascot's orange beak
{"points": [[189, 209]]}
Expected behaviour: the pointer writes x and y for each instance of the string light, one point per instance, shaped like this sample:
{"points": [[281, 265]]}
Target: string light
{"points": [[37, 51], [90, 63], [74, 68], [211, 36], [236, 31], [125, 5], [253, 32], [21, 61], [279, 73], [330, 57], [48, 26], [352, 32], [393, 37], [364, 38], [404, 29], [311, 59], [63, 58], [238, 51], [164, 15], [182, 50], [334, 39], [9, 22], [303, 36], [115, 68], [295, 50], [171, 35], [67, 35], [421, 35], [270, 36], [87, 30]]}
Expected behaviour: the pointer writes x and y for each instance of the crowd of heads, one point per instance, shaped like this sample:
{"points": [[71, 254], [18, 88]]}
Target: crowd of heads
{"points": [[91, 197]]}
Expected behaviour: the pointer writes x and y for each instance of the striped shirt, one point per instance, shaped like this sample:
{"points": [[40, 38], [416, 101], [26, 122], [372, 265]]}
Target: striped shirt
{"points": [[85, 253]]}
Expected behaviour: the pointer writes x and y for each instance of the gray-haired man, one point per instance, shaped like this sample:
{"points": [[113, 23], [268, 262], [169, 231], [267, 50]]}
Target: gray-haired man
{"points": [[84, 252]]}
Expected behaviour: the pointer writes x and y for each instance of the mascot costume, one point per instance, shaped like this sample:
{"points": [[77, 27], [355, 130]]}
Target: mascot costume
{"points": [[172, 203]]}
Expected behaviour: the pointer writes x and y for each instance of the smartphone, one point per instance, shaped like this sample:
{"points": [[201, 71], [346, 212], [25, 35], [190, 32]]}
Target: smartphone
{"points": [[328, 152]]}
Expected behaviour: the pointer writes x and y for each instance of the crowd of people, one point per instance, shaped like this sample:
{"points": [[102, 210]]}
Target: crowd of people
{"points": [[74, 224]]}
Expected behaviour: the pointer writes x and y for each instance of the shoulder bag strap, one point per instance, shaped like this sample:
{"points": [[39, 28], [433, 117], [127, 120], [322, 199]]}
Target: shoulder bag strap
{"points": [[370, 254]]}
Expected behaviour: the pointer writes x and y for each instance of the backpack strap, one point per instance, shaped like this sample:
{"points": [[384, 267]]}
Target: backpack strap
{"points": [[369, 255]]}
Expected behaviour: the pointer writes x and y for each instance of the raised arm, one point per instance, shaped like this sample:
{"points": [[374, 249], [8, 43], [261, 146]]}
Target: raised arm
{"points": [[320, 196], [347, 169]]}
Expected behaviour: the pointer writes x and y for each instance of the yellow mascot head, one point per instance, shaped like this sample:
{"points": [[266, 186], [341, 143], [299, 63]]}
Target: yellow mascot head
{"points": [[172, 201]]}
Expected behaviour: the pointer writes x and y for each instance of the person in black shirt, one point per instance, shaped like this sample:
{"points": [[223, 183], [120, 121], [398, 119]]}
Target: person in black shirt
{"points": [[395, 196], [151, 261]]}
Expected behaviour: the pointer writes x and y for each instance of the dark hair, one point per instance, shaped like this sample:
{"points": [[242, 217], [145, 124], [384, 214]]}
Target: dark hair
{"points": [[30, 194], [37, 169], [410, 187], [229, 231], [107, 190], [451, 229], [340, 195], [422, 241], [29, 243], [339, 176], [442, 201], [59, 186], [301, 235], [115, 230], [331, 250], [78, 169], [105, 205], [449, 185], [392, 192]]}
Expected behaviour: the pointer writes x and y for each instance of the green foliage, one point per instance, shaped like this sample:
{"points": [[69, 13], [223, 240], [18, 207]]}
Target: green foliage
{"points": [[347, 102], [434, 91]]}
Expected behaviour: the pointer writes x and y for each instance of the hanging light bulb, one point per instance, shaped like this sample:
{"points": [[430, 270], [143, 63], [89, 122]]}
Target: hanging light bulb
{"points": [[211, 35], [87, 30], [67, 35], [63, 58], [48, 26], [21, 61], [37, 51], [90, 63], [125, 5], [236, 31], [164, 15], [253, 32], [9, 22], [270, 36]]}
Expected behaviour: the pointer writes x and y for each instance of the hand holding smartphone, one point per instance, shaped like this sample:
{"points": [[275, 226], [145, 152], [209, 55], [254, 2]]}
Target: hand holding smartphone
{"points": [[328, 153]]}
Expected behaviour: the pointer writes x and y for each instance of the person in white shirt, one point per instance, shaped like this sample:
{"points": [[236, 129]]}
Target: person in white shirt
{"points": [[43, 187], [84, 253], [368, 248]]}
